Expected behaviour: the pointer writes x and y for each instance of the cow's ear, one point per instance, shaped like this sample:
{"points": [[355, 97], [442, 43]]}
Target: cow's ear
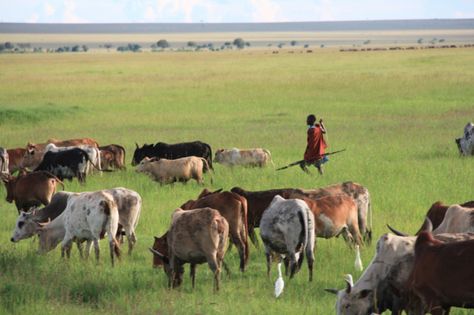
{"points": [[136, 144], [364, 293]]}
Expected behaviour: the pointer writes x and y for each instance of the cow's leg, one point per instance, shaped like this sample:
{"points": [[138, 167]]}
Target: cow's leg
{"points": [[240, 247], [215, 267], [132, 240], [112, 249], [286, 263], [293, 264], [66, 246], [80, 248], [253, 236], [310, 256], [193, 274], [96, 249], [268, 255], [356, 237], [88, 248]]}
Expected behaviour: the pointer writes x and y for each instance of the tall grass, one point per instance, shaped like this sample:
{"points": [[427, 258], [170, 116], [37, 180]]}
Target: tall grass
{"points": [[397, 113]]}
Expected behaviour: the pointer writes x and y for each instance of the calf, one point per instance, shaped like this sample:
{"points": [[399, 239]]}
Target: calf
{"points": [[4, 161], [114, 156], [32, 189], [233, 208], [169, 171], [66, 164], [195, 236], [249, 157], [442, 275], [287, 228]]}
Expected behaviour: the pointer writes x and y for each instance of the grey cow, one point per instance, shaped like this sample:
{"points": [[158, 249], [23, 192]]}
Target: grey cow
{"points": [[287, 228]]}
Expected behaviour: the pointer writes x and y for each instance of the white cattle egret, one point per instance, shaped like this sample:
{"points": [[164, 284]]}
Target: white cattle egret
{"points": [[358, 262], [348, 278], [279, 284]]}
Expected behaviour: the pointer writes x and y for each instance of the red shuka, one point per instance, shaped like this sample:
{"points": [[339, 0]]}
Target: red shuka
{"points": [[316, 144]]}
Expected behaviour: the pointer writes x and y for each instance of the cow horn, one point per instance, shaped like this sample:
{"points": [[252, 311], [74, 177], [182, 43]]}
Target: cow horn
{"points": [[427, 226], [136, 144], [396, 232], [154, 251], [43, 224], [334, 291], [349, 287]]}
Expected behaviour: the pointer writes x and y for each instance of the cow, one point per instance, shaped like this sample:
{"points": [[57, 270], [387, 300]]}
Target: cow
{"points": [[257, 202], [361, 196], [112, 155], [195, 236], [457, 220], [168, 171], [66, 164], [88, 216], [129, 206], [92, 152], [382, 286], [233, 208], [27, 222], [30, 190], [173, 151], [466, 142], [15, 157], [4, 161], [287, 228], [437, 212], [442, 275], [334, 215], [74, 142], [248, 157]]}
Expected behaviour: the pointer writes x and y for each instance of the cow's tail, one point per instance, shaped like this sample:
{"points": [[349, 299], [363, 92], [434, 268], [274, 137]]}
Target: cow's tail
{"points": [[304, 219], [369, 225], [122, 160], [209, 157], [108, 205], [50, 175], [206, 167], [4, 168], [99, 163], [243, 210], [269, 156]]}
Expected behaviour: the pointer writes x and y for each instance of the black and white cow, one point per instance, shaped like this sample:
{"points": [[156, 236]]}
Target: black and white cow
{"points": [[3, 160], [173, 151], [466, 142], [66, 164], [287, 228]]}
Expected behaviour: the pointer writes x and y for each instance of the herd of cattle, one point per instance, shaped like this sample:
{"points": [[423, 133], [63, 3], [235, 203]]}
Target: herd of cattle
{"points": [[430, 272]]}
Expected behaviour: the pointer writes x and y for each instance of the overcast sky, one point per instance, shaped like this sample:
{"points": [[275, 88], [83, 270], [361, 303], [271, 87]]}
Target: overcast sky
{"points": [[209, 11]]}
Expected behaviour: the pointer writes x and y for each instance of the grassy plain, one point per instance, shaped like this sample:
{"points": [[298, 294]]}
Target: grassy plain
{"points": [[397, 113]]}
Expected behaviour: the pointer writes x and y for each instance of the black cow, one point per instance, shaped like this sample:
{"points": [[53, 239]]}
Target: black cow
{"points": [[66, 164], [173, 151]]}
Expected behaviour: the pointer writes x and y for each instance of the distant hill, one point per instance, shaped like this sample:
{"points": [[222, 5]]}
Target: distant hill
{"points": [[237, 27]]}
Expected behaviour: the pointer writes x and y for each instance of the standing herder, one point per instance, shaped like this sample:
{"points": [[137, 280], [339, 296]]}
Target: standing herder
{"points": [[315, 149]]}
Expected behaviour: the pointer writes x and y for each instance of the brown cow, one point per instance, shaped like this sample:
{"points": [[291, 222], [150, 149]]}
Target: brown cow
{"points": [[437, 212], [112, 155], [195, 236], [442, 275], [30, 190], [233, 208], [257, 202], [16, 159]]}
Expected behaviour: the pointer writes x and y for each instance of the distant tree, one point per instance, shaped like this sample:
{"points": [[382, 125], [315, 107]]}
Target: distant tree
{"points": [[8, 45], [85, 48], [306, 46], [367, 42], [239, 43], [247, 44], [441, 40], [108, 46], [2, 47], [420, 40], [162, 43], [60, 49], [227, 43], [280, 45], [75, 48], [321, 46], [191, 44], [269, 45], [293, 43], [134, 47]]}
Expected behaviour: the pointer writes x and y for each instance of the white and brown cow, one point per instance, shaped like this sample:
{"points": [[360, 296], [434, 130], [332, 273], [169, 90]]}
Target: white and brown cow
{"points": [[169, 171], [287, 228], [243, 157], [195, 236]]}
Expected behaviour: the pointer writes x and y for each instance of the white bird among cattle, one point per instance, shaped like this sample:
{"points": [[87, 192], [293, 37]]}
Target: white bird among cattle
{"points": [[358, 262], [279, 284]]}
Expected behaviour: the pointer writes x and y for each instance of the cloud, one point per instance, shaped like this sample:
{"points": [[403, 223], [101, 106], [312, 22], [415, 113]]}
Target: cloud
{"points": [[150, 14], [33, 18], [49, 9], [265, 11], [69, 14]]}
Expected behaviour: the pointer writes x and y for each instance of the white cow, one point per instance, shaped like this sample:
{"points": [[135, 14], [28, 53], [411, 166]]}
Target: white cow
{"points": [[92, 152], [457, 220], [287, 228], [248, 157], [466, 142]]}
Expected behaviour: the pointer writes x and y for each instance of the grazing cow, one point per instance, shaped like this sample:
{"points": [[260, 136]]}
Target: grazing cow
{"points": [[382, 286], [173, 151], [88, 216], [233, 208], [74, 142], [66, 164], [27, 223], [257, 202], [168, 171], [457, 220], [466, 142], [437, 212], [114, 156], [4, 161], [361, 196], [195, 236], [15, 157], [30, 190], [442, 275], [250, 157], [334, 215], [92, 152], [287, 228]]}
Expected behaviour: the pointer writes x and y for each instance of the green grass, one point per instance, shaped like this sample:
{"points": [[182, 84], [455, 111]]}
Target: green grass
{"points": [[397, 113]]}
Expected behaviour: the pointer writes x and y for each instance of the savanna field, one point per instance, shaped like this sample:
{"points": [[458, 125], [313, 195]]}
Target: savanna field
{"points": [[396, 112]]}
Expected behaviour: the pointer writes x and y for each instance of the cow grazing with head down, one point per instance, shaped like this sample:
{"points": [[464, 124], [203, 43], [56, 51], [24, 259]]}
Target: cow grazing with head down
{"points": [[4, 161], [169, 171], [437, 212], [287, 228], [112, 155], [195, 236], [244, 157], [442, 275], [233, 208], [173, 151], [30, 190]]}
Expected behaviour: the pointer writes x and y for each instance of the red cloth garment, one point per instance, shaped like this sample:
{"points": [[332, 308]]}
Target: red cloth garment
{"points": [[316, 144]]}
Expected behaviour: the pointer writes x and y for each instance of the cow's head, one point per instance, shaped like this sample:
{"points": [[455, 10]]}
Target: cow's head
{"points": [[206, 192], [219, 156], [25, 226], [143, 165], [10, 183], [160, 251], [350, 302], [140, 153]]}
